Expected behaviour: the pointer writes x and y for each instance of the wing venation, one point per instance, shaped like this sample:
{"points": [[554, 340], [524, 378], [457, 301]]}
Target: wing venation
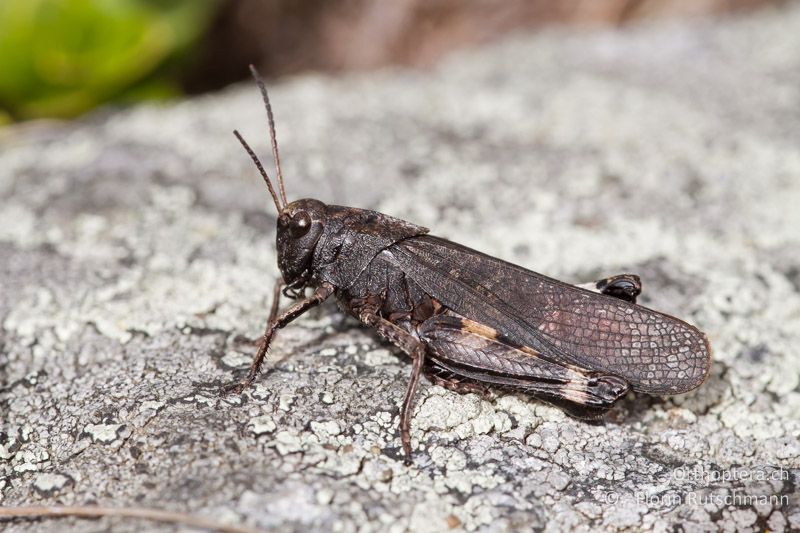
{"points": [[654, 352]]}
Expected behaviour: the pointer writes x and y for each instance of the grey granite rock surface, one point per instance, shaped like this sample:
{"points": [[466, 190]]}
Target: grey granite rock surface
{"points": [[137, 260]]}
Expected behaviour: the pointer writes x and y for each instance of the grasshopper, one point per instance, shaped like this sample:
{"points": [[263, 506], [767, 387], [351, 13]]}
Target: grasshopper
{"points": [[469, 321]]}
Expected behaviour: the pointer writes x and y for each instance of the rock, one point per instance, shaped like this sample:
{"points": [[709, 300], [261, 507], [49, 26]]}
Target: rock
{"points": [[137, 261], [50, 484]]}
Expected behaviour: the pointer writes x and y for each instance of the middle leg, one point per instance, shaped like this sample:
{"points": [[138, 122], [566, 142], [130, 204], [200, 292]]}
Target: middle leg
{"points": [[412, 347]]}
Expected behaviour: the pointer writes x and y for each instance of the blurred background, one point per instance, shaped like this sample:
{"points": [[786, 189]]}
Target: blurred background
{"points": [[62, 58]]}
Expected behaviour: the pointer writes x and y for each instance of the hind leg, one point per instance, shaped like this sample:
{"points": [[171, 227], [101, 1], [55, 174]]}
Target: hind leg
{"points": [[447, 380], [476, 352], [623, 286]]}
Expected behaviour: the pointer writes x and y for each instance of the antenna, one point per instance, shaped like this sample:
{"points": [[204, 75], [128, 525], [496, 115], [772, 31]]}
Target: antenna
{"points": [[260, 167], [272, 136]]}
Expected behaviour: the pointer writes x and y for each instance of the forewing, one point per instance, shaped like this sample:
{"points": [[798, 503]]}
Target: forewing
{"points": [[654, 352]]}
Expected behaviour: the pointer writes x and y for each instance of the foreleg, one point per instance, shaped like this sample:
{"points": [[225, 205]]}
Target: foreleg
{"points": [[273, 325]]}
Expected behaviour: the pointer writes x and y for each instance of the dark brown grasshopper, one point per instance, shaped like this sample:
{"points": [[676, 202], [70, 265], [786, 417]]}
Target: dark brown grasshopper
{"points": [[468, 320]]}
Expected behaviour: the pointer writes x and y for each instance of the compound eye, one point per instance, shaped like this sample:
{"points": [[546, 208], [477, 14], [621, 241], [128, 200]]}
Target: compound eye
{"points": [[300, 224]]}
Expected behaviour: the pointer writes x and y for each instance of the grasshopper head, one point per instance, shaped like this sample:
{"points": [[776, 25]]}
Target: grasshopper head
{"points": [[300, 225]]}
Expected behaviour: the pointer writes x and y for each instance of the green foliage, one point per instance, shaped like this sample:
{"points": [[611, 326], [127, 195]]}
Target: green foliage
{"points": [[59, 58]]}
